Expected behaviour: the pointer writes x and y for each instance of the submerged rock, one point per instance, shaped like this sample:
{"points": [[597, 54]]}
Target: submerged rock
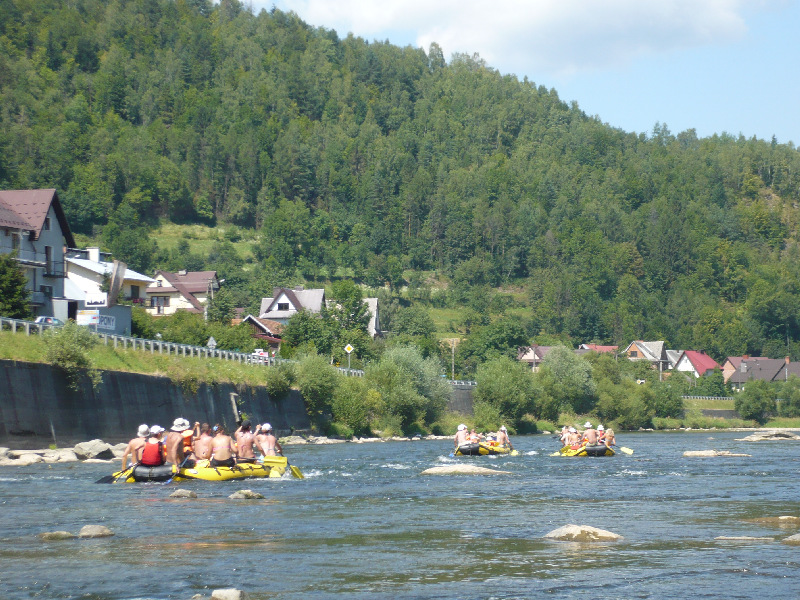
{"points": [[463, 470], [246, 495], [743, 538], [792, 540], [582, 533], [760, 436], [229, 594], [711, 453], [95, 531], [56, 535], [179, 493]]}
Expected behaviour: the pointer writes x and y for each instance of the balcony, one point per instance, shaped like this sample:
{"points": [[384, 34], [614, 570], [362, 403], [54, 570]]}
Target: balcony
{"points": [[55, 268]]}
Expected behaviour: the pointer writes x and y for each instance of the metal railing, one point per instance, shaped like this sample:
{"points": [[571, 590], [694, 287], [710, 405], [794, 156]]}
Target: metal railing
{"points": [[168, 348]]}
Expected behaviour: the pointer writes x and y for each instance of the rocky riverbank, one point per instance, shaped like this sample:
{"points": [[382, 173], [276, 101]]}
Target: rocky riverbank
{"points": [[100, 451]]}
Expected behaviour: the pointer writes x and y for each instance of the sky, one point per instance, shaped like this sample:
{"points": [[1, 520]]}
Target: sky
{"points": [[715, 66]]}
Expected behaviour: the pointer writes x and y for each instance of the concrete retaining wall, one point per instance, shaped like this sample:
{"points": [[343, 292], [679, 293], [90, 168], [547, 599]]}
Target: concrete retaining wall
{"points": [[35, 401], [462, 399]]}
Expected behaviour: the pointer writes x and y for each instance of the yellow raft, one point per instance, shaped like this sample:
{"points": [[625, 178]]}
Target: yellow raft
{"points": [[483, 449], [584, 450], [273, 466]]}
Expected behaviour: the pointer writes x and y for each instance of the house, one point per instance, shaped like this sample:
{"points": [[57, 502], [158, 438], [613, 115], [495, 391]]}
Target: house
{"points": [[184, 290], [696, 363], [264, 329], [533, 355], [598, 348], [285, 303], [759, 368], [34, 227], [733, 363], [653, 352], [88, 269], [673, 356]]}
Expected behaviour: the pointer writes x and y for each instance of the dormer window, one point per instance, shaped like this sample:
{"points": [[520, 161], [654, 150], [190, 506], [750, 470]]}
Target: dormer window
{"points": [[283, 306]]}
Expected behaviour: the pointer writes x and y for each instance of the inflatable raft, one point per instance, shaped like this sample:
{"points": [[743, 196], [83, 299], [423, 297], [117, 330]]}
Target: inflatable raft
{"points": [[483, 449], [583, 450], [273, 466]]}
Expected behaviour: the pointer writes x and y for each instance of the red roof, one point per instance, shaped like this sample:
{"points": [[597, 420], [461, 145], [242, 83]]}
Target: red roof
{"points": [[599, 348], [27, 209], [701, 362]]}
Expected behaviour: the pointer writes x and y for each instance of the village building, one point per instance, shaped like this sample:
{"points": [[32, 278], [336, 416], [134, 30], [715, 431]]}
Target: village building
{"points": [[35, 229], [184, 290]]}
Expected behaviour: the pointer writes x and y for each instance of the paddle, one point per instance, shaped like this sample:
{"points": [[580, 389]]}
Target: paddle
{"points": [[297, 473], [118, 476], [625, 450]]}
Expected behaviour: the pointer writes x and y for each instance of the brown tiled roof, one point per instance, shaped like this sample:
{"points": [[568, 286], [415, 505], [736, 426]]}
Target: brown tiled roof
{"points": [[27, 209]]}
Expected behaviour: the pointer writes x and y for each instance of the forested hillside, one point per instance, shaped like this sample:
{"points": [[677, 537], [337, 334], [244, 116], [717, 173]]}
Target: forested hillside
{"points": [[337, 155]]}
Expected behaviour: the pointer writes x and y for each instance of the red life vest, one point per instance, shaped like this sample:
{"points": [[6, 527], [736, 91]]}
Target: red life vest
{"points": [[153, 454]]}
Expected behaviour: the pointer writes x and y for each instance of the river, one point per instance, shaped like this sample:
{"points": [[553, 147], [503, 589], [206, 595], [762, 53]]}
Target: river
{"points": [[365, 524]]}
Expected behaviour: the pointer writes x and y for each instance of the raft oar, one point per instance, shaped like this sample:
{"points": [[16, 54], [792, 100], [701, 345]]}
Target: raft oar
{"points": [[297, 473], [118, 476], [625, 450]]}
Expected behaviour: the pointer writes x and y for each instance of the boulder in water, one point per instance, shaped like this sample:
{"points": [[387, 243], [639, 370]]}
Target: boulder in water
{"points": [[179, 493], [582, 533], [95, 531], [56, 535], [246, 495], [229, 594], [94, 449], [771, 434], [792, 540], [60, 456], [463, 469], [711, 453]]}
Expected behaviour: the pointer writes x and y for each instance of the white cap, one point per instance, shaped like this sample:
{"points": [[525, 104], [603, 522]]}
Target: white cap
{"points": [[600, 428], [180, 424], [503, 428], [573, 430], [144, 430], [156, 429], [266, 427], [462, 427], [588, 425]]}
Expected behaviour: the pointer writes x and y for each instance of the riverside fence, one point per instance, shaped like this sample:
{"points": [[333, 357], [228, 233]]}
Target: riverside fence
{"points": [[176, 349]]}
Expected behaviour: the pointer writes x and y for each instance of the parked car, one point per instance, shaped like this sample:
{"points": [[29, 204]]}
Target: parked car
{"points": [[48, 321]]}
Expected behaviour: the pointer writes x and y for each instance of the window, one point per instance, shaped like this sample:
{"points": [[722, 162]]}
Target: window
{"points": [[48, 259], [15, 240], [47, 224], [47, 290], [283, 306], [634, 354], [135, 292]]}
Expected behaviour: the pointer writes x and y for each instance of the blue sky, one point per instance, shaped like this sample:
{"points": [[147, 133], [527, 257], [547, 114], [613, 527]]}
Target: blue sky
{"points": [[710, 65]]}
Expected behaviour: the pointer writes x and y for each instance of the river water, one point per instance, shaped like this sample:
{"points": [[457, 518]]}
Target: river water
{"points": [[365, 524]]}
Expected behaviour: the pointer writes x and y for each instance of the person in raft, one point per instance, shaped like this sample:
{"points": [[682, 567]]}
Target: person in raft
{"points": [[135, 446], [203, 444], [266, 441], [223, 449], [153, 452], [174, 441], [461, 436], [502, 437], [244, 443], [589, 434]]}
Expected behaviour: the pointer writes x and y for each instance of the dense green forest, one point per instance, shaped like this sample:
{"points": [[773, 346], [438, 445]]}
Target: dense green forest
{"points": [[447, 182]]}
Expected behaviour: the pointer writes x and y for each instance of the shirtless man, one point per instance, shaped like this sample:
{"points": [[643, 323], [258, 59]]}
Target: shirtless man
{"points": [[574, 437], [244, 443], [223, 449], [502, 437], [461, 436], [266, 441], [589, 434], [135, 447], [203, 444], [174, 441]]}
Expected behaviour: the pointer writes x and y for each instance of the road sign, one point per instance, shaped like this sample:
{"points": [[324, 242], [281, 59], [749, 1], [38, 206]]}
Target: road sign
{"points": [[348, 348]]}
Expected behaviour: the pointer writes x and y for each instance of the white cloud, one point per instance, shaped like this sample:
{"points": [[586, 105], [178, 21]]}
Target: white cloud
{"points": [[556, 37]]}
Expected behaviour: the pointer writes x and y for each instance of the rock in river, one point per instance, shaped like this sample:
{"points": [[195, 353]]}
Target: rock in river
{"points": [[94, 449], [582, 533], [95, 531], [463, 469]]}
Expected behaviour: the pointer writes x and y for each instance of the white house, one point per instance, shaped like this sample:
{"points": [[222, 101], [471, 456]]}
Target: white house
{"points": [[184, 290], [87, 271], [34, 227]]}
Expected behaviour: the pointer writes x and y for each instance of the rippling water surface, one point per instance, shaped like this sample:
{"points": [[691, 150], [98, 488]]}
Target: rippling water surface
{"points": [[365, 524]]}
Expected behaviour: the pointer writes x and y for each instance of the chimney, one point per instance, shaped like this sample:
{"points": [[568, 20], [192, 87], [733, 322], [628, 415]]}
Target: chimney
{"points": [[787, 360], [94, 254], [298, 288]]}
